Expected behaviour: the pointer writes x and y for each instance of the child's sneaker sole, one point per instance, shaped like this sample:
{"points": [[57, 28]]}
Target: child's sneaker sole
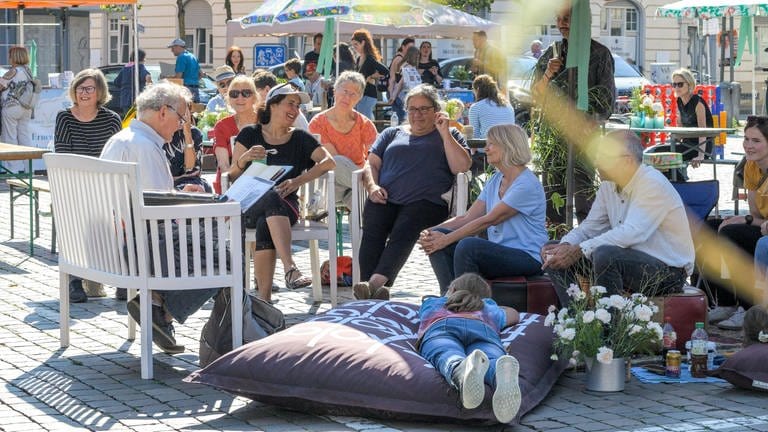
{"points": [[473, 380], [506, 398]]}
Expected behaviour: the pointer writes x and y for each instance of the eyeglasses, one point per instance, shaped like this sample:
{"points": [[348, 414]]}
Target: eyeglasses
{"points": [[85, 89], [678, 84], [422, 110], [225, 84], [246, 93], [182, 120]]}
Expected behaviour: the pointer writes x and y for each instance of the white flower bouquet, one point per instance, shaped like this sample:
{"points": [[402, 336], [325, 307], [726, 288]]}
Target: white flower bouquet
{"points": [[597, 326]]}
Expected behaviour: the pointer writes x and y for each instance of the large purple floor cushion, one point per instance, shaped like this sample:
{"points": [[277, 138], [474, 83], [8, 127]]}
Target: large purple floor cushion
{"points": [[360, 359]]}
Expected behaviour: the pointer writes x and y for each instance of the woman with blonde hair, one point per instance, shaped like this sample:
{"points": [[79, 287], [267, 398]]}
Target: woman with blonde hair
{"points": [[694, 112], [490, 108], [243, 99], [16, 116], [511, 210]]}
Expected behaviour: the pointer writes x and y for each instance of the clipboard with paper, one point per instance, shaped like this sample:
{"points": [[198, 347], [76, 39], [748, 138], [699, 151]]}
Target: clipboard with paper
{"points": [[254, 183]]}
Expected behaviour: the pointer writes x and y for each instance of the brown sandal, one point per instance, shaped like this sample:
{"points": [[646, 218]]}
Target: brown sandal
{"points": [[362, 291], [301, 281]]}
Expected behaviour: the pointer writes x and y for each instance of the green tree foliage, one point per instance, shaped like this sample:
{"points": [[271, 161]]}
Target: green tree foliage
{"points": [[471, 6]]}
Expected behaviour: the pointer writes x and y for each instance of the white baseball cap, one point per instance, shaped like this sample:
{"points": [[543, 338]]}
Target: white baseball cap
{"points": [[286, 89], [179, 42]]}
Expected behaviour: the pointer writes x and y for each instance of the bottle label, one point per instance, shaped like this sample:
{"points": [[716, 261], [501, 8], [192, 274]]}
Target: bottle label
{"points": [[699, 347], [670, 339]]}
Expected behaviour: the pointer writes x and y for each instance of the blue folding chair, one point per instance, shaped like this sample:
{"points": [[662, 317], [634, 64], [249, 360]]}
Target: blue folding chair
{"points": [[699, 197]]}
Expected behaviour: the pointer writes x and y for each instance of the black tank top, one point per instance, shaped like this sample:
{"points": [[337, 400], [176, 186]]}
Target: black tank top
{"points": [[688, 119]]}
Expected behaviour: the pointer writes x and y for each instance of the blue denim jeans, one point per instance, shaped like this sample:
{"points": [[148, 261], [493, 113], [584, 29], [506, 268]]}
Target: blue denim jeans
{"points": [[620, 269], [365, 106], [446, 343], [486, 258], [398, 107]]}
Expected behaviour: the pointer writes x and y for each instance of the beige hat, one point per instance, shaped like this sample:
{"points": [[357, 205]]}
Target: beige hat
{"points": [[223, 72]]}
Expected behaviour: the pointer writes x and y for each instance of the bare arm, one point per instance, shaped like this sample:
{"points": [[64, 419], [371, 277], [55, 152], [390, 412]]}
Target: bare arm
{"points": [[513, 317], [323, 163], [701, 121], [458, 157], [222, 158]]}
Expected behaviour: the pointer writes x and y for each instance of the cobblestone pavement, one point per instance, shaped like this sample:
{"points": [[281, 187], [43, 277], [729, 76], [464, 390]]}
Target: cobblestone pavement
{"points": [[95, 384]]}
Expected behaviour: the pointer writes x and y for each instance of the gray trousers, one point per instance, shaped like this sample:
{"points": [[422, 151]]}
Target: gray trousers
{"points": [[620, 270]]}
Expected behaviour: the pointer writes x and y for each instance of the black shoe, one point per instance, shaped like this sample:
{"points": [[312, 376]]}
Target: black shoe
{"points": [[163, 334], [121, 294], [76, 291]]}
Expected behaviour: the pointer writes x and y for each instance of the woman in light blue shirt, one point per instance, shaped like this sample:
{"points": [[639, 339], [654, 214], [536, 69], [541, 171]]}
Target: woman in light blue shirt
{"points": [[511, 209], [491, 107]]}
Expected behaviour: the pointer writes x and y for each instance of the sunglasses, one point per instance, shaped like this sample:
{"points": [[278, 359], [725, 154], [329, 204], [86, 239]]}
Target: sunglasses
{"points": [[225, 84], [234, 94], [678, 84]]}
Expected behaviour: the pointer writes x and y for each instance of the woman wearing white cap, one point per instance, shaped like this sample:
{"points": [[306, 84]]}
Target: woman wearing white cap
{"points": [[277, 210]]}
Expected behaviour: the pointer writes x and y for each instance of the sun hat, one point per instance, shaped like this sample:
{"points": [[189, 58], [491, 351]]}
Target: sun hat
{"points": [[223, 72], [286, 89], [179, 42]]}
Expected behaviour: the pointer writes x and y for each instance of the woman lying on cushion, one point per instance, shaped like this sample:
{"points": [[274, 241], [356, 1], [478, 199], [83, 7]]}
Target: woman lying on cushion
{"points": [[511, 208]]}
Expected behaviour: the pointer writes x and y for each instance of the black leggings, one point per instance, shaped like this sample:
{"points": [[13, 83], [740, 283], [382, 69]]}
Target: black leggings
{"points": [[271, 204], [745, 237]]}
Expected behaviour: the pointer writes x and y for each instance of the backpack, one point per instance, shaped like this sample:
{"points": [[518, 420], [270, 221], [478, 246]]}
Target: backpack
{"points": [[343, 271], [260, 319], [26, 93]]}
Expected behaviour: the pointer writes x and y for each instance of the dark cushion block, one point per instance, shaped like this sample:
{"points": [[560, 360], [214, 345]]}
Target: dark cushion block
{"points": [[360, 359]]}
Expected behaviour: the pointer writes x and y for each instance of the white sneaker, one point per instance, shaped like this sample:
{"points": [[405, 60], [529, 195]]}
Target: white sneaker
{"points": [[506, 398], [735, 322], [472, 379], [720, 313]]}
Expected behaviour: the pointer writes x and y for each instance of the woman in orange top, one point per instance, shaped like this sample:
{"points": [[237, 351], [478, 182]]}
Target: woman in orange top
{"points": [[346, 133]]}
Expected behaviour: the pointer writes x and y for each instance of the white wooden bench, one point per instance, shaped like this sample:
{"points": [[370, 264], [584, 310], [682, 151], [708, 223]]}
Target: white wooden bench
{"points": [[108, 235]]}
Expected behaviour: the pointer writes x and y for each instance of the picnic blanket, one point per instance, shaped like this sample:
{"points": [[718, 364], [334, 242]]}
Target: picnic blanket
{"points": [[648, 377]]}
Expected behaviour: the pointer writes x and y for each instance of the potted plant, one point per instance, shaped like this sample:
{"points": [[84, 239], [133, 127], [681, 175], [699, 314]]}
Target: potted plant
{"points": [[604, 331]]}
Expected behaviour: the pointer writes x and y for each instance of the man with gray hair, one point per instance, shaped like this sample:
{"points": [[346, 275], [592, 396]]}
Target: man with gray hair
{"points": [[636, 236], [162, 110]]}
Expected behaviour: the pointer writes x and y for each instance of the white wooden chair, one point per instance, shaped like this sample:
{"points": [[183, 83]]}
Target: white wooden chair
{"points": [[306, 230], [106, 234], [459, 197]]}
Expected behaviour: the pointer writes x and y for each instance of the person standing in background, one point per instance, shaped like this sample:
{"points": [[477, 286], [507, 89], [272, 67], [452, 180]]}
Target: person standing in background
{"points": [[187, 68], [124, 81], [550, 73], [368, 64], [487, 59], [15, 117], [313, 56], [428, 67], [236, 60]]}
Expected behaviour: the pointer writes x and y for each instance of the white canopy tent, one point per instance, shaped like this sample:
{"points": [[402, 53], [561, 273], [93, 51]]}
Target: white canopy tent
{"points": [[446, 23]]}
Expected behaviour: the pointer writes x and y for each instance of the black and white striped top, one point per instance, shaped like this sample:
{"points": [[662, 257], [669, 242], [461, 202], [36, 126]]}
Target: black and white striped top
{"points": [[85, 138]]}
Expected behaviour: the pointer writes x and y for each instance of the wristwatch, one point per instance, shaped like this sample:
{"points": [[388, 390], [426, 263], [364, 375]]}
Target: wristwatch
{"points": [[748, 219]]}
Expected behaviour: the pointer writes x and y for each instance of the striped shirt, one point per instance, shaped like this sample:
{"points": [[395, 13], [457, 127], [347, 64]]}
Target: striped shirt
{"points": [[485, 113], [85, 138]]}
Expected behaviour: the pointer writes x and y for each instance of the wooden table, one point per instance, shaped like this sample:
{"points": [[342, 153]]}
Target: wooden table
{"points": [[12, 152]]}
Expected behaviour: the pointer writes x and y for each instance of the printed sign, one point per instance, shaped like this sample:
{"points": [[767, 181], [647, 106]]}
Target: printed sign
{"points": [[266, 55]]}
